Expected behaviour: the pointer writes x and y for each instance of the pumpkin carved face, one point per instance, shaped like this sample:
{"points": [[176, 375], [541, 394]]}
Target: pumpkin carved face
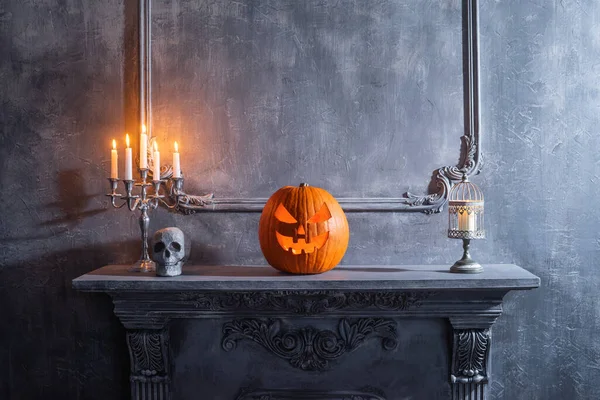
{"points": [[303, 230], [300, 241]]}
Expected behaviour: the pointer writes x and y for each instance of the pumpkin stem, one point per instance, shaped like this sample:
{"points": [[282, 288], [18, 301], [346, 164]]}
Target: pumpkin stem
{"points": [[303, 184]]}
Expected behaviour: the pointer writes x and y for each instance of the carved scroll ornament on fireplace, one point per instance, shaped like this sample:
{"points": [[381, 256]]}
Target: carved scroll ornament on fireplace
{"points": [[309, 348], [443, 178]]}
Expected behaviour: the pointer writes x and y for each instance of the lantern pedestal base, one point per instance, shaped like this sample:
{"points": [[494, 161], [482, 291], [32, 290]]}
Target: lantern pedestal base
{"points": [[466, 265]]}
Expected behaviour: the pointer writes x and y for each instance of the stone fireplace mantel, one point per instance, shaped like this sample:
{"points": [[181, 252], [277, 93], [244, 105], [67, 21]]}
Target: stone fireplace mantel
{"points": [[362, 305]]}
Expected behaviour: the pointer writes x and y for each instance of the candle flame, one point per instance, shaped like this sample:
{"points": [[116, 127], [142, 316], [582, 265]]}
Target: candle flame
{"points": [[114, 144], [143, 128], [176, 148], [127, 140], [155, 146]]}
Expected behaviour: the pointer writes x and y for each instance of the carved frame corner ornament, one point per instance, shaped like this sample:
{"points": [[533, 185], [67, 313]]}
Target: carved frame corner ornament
{"points": [[150, 363], [443, 178], [309, 348]]}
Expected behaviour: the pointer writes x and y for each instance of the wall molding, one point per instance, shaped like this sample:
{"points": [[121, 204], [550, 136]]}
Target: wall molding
{"points": [[442, 179]]}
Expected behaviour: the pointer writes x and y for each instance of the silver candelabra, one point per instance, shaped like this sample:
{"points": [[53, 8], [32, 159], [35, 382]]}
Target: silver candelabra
{"points": [[145, 202], [173, 196]]}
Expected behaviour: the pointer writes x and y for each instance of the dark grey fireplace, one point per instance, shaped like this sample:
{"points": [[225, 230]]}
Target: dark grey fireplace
{"points": [[355, 333]]}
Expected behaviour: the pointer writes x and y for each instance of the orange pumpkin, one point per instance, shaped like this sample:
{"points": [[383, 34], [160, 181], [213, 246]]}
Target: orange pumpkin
{"points": [[303, 230]]}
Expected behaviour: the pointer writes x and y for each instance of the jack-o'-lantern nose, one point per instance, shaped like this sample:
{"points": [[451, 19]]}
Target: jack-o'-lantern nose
{"points": [[301, 230]]}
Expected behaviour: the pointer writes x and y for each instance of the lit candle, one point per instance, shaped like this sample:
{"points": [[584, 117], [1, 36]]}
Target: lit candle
{"points": [[156, 171], [128, 160], [466, 221], [114, 161], [176, 163], [143, 148]]}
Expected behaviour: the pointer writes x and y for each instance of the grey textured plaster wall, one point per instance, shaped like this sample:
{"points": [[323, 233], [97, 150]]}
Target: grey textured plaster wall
{"points": [[68, 86]]}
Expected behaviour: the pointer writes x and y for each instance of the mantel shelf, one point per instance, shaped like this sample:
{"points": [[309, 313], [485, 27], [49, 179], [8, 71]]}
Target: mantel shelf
{"points": [[115, 278]]}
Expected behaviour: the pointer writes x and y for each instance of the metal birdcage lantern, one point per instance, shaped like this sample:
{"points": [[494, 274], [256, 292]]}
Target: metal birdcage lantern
{"points": [[465, 221]]}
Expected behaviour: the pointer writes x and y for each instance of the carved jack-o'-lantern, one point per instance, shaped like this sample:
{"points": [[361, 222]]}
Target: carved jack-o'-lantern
{"points": [[303, 230]]}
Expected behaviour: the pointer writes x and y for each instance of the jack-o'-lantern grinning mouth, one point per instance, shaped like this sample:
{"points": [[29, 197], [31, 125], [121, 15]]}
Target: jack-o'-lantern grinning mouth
{"points": [[300, 246]]}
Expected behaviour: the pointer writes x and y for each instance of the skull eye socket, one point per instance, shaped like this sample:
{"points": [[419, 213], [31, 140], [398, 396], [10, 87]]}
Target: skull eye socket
{"points": [[283, 215], [175, 246], [158, 247]]}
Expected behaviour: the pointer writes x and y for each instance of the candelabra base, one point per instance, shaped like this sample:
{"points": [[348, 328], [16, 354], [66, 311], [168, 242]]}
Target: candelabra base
{"points": [[143, 266]]}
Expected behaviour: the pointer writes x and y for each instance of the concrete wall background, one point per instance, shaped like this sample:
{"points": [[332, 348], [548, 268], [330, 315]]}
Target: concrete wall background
{"points": [[67, 89]]}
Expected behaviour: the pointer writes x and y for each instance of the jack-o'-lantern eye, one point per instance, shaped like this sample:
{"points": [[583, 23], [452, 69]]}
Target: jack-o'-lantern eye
{"points": [[283, 215], [321, 216]]}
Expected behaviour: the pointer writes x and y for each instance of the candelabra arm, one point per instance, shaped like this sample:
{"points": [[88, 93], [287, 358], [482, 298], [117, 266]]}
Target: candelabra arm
{"points": [[174, 189], [154, 198], [113, 201], [166, 204], [113, 193], [132, 201]]}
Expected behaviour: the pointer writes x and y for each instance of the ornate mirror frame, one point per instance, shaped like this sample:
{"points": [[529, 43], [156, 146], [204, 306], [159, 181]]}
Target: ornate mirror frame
{"points": [[443, 178]]}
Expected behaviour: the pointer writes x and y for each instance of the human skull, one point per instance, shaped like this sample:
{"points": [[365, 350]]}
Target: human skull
{"points": [[169, 251]]}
